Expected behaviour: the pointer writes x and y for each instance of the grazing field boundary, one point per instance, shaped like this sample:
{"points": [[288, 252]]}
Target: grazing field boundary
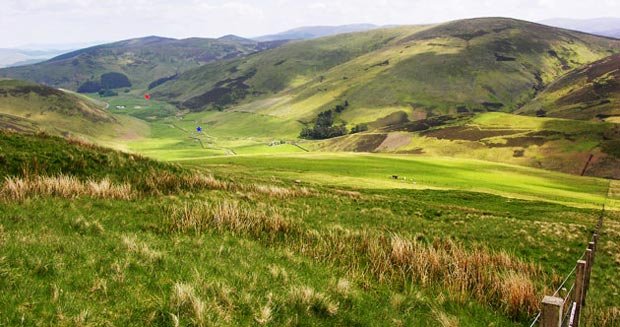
{"points": [[564, 306]]}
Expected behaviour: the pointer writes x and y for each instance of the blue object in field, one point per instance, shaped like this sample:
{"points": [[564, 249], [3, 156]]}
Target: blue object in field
{"points": [[198, 129]]}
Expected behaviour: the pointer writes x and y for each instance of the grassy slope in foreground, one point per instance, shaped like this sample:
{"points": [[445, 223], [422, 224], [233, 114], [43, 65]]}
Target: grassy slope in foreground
{"points": [[319, 256], [252, 249], [374, 171]]}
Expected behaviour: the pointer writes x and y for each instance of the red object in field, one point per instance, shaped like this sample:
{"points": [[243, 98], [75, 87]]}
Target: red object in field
{"points": [[147, 96]]}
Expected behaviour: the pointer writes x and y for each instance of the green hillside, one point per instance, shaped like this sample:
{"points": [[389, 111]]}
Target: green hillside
{"points": [[591, 92], [143, 60], [30, 107], [488, 64], [549, 143], [119, 239]]}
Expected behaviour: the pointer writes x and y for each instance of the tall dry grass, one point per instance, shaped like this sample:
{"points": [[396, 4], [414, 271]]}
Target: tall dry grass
{"points": [[165, 183], [17, 189], [199, 217], [495, 278], [65, 186], [184, 301]]}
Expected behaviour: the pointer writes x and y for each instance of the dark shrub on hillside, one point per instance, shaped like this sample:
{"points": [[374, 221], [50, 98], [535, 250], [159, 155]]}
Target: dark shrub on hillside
{"points": [[162, 81], [114, 81], [107, 93], [90, 87], [359, 128]]}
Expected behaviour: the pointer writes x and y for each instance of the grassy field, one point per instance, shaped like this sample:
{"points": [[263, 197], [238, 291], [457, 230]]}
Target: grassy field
{"points": [[159, 244], [376, 171]]}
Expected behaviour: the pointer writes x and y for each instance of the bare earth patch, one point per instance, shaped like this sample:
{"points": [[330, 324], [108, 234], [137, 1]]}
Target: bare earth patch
{"points": [[394, 141]]}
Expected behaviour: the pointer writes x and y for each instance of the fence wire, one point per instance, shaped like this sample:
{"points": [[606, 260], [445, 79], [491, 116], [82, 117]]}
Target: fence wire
{"points": [[570, 314]]}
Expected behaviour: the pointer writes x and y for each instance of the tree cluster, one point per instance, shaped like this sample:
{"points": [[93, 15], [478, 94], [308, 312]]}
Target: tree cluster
{"points": [[324, 126], [107, 82]]}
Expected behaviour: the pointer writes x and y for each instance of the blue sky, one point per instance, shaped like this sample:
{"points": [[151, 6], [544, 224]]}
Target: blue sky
{"points": [[81, 21]]}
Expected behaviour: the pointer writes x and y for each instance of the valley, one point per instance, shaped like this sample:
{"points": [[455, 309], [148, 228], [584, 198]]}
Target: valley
{"points": [[432, 175]]}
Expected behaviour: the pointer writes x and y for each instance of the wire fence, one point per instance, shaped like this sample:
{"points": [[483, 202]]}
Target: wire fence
{"points": [[566, 304]]}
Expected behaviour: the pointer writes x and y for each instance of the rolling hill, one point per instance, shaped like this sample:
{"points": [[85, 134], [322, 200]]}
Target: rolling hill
{"points": [[143, 60], [29, 107], [477, 65], [591, 92]]}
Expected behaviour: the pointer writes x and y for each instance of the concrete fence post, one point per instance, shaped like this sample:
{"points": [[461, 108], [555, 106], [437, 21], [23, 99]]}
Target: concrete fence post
{"points": [[551, 311], [579, 290]]}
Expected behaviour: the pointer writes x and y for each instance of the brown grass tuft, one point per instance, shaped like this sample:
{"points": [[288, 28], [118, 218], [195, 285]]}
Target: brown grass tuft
{"points": [[226, 215], [312, 301], [141, 249], [184, 301], [18, 189]]}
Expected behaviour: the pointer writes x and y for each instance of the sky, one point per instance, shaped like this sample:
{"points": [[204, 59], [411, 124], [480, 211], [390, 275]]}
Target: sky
{"points": [[24, 23]]}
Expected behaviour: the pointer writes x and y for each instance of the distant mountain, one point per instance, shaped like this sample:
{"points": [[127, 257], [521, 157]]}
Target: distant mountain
{"points": [[312, 32], [608, 26], [143, 60], [17, 57], [407, 72]]}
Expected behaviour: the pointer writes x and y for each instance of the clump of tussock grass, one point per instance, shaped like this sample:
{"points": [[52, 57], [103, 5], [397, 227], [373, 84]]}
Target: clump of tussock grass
{"points": [[18, 189], [185, 302], [264, 314], [100, 285], [518, 291], [226, 215], [141, 249], [278, 273], [85, 226], [312, 301], [397, 301], [444, 319], [221, 301], [343, 287]]}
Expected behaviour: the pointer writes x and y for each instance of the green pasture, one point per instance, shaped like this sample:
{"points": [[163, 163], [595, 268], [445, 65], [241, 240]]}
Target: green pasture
{"points": [[375, 171]]}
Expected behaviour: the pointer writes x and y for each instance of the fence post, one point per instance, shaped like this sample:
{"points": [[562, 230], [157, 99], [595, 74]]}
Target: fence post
{"points": [[595, 239], [586, 283], [551, 311], [579, 290]]}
